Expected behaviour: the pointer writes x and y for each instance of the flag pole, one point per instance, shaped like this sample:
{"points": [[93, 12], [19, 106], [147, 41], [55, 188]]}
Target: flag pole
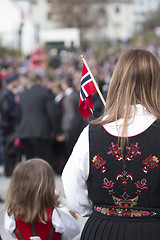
{"points": [[96, 86]]}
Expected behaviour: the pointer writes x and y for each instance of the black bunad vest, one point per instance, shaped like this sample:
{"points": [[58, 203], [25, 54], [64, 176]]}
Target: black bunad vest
{"points": [[124, 189]]}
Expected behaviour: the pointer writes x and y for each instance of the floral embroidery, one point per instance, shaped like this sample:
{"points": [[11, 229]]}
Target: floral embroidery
{"points": [[115, 150], [108, 185], [124, 202], [150, 163], [133, 150], [124, 212], [98, 162], [124, 176], [141, 186]]}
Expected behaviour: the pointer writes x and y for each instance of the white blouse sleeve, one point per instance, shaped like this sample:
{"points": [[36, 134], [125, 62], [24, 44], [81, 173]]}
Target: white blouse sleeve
{"points": [[10, 225], [65, 223], [75, 175]]}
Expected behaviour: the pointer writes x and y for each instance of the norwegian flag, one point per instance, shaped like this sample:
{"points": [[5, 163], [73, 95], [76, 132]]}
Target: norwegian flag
{"points": [[87, 88]]}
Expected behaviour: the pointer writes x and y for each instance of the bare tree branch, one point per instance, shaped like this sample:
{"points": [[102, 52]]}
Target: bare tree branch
{"points": [[84, 14]]}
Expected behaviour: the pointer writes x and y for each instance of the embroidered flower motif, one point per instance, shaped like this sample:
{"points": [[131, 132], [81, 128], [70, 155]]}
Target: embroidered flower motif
{"points": [[113, 211], [124, 199], [125, 203], [115, 150], [98, 162], [141, 186], [126, 212], [98, 209], [104, 210], [145, 213], [124, 176], [108, 185], [150, 163], [122, 212], [133, 150], [136, 213]]}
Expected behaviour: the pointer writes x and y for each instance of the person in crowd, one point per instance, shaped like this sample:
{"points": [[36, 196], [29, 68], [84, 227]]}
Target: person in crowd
{"points": [[1, 137], [32, 209], [58, 147], [36, 119], [58, 100], [72, 121], [8, 112], [103, 87], [1, 148], [112, 175]]}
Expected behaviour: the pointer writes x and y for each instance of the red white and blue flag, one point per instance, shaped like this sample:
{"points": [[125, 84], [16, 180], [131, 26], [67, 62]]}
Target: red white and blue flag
{"points": [[87, 88]]}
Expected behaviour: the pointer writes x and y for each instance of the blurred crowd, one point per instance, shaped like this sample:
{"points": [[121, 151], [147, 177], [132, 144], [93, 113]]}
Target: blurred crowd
{"points": [[39, 107], [39, 100]]}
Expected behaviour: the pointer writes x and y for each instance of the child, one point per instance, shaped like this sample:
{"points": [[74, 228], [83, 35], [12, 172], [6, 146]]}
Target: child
{"points": [[32, 209]]}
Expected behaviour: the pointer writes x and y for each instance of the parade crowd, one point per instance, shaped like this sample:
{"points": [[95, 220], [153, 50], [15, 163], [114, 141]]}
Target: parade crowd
{"points": [[39, 107]]}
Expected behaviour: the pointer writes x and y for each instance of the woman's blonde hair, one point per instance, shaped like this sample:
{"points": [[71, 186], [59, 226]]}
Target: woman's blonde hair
{"points": [[135, 80], [31, 191]]}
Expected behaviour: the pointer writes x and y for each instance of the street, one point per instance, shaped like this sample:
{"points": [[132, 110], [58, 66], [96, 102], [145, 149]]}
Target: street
{"points": [[4, 183]]}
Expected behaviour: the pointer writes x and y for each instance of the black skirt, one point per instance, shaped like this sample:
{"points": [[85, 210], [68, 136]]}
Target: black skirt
{"points": [[101, 227]]}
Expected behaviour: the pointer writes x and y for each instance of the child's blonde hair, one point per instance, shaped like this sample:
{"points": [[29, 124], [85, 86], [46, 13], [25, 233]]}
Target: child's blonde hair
{"points": [[31, 191]]}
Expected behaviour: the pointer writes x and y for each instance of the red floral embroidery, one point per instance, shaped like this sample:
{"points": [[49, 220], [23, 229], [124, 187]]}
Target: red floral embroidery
{"points": [[115, 150], [131, 202], [98, 162], [124, 176], [133, 150], [108, 185], [141, 186], [150, 163], [120, 212], [124, 199]]}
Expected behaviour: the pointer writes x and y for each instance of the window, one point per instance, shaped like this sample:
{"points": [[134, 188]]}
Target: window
{"points": [[117, 10]]}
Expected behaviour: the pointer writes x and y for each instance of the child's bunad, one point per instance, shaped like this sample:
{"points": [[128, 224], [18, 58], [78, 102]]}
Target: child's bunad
{"points": [[34, 207], [60, 225]]}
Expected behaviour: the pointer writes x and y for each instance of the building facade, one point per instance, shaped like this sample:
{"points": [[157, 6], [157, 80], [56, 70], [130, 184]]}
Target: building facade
{"points": [[123, 19]]}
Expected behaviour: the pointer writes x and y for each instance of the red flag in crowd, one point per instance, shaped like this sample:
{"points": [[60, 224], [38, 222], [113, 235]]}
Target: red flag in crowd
{"points": [[87, 88]]}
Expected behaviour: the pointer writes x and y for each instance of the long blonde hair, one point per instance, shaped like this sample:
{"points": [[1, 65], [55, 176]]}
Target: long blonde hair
{"points": [[135, 80], [31, 191]]}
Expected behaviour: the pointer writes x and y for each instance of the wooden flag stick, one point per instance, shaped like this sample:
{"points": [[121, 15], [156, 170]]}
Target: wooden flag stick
{"points": [[96, 86]]}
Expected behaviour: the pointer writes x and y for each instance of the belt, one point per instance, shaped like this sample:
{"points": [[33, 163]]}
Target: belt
{"points": [[127, 212]]}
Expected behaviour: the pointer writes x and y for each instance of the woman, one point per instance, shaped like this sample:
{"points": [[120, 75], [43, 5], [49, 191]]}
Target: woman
{"points": [[113, 172]]}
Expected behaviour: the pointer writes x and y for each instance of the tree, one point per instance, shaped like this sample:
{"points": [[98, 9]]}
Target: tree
{"points": [[84, 14]]}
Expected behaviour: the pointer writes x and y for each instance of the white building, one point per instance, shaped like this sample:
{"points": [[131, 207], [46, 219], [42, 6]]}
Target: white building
{"points": [[124, 17], [120, 20], [143, 9], [16, 29], [27, 23], [9, 24], [115, 26], [45, 31]]}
